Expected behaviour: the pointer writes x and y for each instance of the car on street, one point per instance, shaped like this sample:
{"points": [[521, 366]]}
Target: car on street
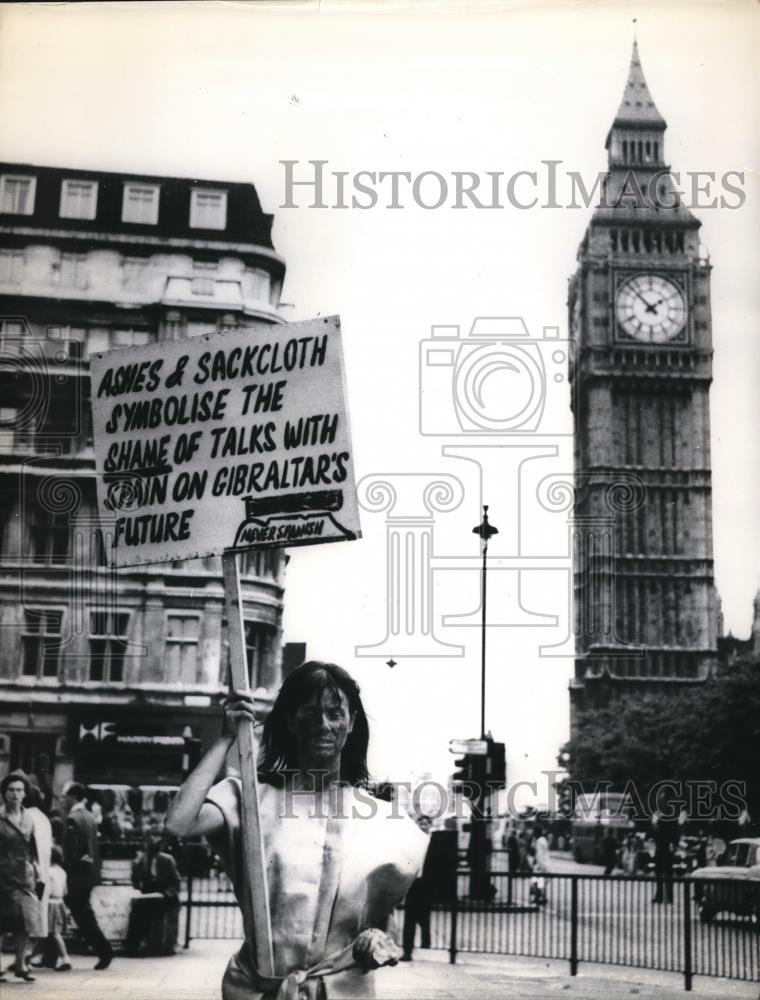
{"points": [[733, 886]]}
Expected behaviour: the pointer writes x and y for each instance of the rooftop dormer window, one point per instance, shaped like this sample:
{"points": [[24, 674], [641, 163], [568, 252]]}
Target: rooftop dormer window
{"points": [[79, 199], [140, 204], [208, 209], [17, 194]]}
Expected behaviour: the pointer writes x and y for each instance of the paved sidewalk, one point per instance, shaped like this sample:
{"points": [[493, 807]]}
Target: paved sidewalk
{"points": [[196, 975]]}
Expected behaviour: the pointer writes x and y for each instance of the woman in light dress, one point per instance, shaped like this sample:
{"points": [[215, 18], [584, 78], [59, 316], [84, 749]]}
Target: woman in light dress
{"points": [[338, 859]]}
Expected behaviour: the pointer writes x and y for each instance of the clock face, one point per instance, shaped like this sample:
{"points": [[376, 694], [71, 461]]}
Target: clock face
{"points": [[651, 308]]}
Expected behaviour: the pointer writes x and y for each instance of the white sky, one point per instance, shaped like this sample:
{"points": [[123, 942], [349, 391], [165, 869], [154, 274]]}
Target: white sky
{"points": [[227, 91]]}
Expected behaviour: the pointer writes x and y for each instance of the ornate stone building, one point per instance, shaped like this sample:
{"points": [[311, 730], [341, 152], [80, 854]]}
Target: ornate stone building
{"points": [[112, 677], [639, 307]]}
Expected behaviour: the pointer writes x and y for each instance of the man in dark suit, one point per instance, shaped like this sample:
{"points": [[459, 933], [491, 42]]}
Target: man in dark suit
{"points": [[82, 862], [609, 851], [665, 834], [513, 860], [418, 903], [437, 882]]}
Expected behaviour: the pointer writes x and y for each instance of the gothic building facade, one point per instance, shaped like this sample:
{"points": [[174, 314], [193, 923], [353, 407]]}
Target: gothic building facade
{"points": [[110, 677], [639, 309]]}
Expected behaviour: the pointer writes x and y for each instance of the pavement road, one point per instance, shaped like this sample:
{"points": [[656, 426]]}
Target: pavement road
{"points": [[196, 975]]}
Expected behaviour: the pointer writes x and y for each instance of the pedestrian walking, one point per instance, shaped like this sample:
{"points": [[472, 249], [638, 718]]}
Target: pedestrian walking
{"points": [[43, 841], [525, 865], [418, 903], [629, 854], [57, 917], [541, 865], [665, 835], [20, 887], [81, 854], [609, 851], [512, 845]]}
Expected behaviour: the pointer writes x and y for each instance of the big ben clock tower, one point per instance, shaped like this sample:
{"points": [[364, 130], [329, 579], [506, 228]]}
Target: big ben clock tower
{"points": [[639, 305]]}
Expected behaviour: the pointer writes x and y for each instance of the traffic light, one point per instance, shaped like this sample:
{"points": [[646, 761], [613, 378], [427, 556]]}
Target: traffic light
{"points": [[496, 766], [468, 778], [461, 776], [480, 774]]}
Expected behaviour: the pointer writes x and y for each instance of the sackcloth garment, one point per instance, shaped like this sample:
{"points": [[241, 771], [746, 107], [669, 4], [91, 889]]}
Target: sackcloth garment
{"points": [[337, 864]]}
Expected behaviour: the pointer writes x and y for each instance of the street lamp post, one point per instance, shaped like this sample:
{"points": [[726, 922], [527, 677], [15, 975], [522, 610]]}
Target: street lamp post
{"points": [[485, 530], [480, 882]]}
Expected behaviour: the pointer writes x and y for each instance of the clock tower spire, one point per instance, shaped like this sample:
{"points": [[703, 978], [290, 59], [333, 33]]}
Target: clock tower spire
{"points": [[637, 109], [639, 307]]}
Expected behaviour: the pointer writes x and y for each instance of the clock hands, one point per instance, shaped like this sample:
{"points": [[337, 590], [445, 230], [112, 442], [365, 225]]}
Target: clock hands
{"points": [[651, 307]]}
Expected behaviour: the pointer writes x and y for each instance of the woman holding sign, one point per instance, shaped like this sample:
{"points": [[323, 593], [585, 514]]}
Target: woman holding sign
{"points": [[337, 859]]}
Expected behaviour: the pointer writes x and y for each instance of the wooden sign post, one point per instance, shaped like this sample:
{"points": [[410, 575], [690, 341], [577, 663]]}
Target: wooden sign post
{"points": [[256, 916]]}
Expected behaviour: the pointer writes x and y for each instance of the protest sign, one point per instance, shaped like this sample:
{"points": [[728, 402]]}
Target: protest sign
{"points": [[228, 441]]}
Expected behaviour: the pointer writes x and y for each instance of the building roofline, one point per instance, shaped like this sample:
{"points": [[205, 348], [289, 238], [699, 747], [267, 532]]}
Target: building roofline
{"points": [[175, 206], [94, 173]]}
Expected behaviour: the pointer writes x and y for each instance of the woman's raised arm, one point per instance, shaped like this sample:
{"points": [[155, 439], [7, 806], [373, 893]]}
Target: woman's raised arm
{"points": [[189, 814]]}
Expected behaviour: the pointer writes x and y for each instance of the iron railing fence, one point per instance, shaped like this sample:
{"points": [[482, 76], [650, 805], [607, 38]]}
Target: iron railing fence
{"points": [[210, 910], [636, 921], [612, 920]]}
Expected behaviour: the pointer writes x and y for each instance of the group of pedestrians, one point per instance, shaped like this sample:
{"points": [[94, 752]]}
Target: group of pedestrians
{"points": [[41, 879], [528, 854]]}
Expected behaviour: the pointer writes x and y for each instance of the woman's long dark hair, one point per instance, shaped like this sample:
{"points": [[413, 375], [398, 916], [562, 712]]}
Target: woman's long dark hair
{"points": [[278, 748]]}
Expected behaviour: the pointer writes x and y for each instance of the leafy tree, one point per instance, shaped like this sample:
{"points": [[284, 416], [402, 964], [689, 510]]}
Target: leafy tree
{"points": [[706, 733]]}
